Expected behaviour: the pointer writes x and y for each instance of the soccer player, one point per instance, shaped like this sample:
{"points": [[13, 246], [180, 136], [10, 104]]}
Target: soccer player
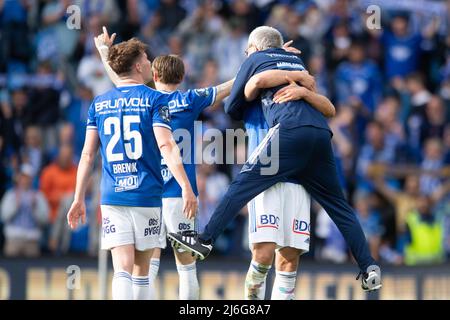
{"points": [[131, 125], [305, 151]]}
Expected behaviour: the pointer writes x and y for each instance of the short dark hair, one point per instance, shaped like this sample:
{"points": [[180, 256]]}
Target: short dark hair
{"points": [[122, 56], [170, 69]]}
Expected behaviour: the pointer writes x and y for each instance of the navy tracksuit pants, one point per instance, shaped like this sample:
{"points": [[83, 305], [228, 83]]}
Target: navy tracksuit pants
{"points": [[304, 152]]}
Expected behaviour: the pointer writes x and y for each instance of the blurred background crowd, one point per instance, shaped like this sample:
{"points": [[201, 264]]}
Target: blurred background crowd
{"points": [[390, 85]]}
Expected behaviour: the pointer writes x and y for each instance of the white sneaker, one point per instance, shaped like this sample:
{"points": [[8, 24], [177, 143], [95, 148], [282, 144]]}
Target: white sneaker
{"points": [[371, 280]]}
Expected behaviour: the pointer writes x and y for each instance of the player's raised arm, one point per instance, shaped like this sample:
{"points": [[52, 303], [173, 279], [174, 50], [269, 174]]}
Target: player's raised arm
{"points": [[102, 43], [171, 154], [78, 208], [273, 78], [295, 92]]}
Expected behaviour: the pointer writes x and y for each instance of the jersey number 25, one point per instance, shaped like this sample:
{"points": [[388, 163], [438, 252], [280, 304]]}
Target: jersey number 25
{"points": [[112, 126]]}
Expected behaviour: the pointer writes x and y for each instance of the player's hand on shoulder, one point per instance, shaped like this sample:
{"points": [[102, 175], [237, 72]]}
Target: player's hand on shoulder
{"points": [[190, 203], [76, 212], [287, 47]]}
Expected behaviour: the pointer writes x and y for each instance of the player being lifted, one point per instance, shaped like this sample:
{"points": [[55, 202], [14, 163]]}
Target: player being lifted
{"points": [[131, 125], [305, 152], [279, 218]]}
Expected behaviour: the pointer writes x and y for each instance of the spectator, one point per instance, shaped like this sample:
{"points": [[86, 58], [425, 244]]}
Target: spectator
{"points": [[197, 34], [44, 111], [316, 67], [3, 185], [401, 47], [142, 10], [343, 138], [277, 15], [291, 31], [176, 45], [442, 212], [388, 113], [106, 9], [446, 141], [94, 27], [389, 255], [436, 118], [334, 247], [376, 150], [247, 12], [131, 15], [91, 74], [229, 49], [66, 133], [76, 114], [381, 130], [432, 163], [209, 76], [84, 239], [212, 187], [3, 169], [171, 13], [403, 200], [359, 78], [58, 179], [206, 205], [32, 151], [19, 118], [419, 96], [54, 40], [14, 42], [338, 44], [24, 213], [314, 24], [425, 234]]}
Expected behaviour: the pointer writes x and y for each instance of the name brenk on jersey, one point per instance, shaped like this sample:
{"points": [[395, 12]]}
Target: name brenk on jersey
{"points": [[122, 102], [129, 167]]}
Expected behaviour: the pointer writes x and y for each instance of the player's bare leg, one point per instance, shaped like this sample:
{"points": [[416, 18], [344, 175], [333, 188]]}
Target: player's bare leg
{"points": [[141, 285], [153, 271], [255, 281], [123, 261], [286, 264], [187, 274]]}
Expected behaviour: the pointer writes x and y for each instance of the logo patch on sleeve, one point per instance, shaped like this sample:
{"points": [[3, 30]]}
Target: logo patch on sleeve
{"points": [[164, 113], [204, 92]]}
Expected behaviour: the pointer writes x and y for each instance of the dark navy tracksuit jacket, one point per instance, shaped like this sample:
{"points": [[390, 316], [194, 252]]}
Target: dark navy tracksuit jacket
{"points": [[302, 138]]}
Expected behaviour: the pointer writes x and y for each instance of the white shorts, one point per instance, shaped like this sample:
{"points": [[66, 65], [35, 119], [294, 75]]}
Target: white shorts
{"points": [[281, 214], [123, 225], [174, 219]]}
